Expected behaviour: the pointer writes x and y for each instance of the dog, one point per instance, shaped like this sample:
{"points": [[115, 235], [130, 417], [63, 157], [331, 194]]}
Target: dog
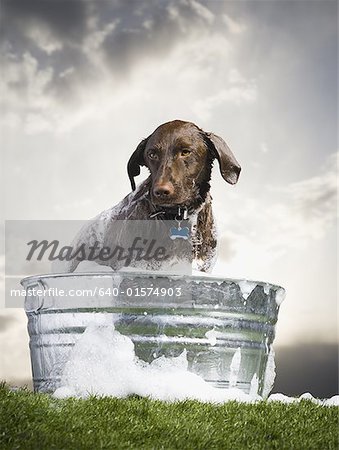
{"points": [[179, 156]]}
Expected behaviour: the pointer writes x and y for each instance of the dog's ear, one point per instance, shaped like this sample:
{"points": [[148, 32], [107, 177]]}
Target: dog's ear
{"points": [[229, 166], [135, 161]]}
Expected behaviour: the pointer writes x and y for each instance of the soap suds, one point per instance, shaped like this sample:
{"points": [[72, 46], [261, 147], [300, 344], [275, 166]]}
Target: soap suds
{"points": [[280, 296], [254, 385], [103, 363], [212, 337], [235, 367], [246, 288], [269, 376]]}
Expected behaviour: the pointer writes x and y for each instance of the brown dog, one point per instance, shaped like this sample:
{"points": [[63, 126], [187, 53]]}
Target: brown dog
{"points": [[179, 156]]}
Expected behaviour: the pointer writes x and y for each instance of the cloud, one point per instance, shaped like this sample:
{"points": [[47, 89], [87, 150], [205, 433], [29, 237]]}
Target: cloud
{"points": [[309, 207], [56, 53], [314, 200], [237, 94], [233, 25], [237, 90], [181, 10], [152, 31], [25, 84], [44, 39], [120, 59], [304, 211], [64, 19]]}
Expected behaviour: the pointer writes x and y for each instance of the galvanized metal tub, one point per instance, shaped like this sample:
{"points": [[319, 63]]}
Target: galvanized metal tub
{"points": [[211, 319]]}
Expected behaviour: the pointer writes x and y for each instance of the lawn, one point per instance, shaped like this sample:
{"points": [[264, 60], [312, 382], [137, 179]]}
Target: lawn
{"points": [[38, 421]]}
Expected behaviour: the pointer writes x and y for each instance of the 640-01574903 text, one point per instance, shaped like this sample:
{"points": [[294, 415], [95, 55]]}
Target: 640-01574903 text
{"points": [[150, 291]]}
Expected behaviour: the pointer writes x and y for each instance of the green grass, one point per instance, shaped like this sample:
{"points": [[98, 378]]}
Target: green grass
{"points": [[37, 421]]}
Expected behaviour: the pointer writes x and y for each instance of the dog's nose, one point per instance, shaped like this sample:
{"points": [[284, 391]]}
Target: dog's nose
{"points": [[163, 190]]}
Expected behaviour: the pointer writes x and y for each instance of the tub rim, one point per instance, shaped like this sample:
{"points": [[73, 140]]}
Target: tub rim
{"points": [[26, 281]]}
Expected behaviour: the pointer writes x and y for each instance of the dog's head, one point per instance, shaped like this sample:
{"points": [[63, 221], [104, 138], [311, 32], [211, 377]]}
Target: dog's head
{"points": [[179, 156]]}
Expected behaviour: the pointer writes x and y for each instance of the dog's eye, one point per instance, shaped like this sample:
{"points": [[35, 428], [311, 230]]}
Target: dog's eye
{"points": [[153, 155], [185, 152]]}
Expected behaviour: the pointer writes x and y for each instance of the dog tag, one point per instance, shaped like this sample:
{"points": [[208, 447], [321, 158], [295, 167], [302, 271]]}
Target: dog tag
{"points": [[180, 232]]}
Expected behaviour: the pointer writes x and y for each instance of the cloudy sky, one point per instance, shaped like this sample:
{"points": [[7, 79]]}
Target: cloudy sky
{"points": [[82, 82]]}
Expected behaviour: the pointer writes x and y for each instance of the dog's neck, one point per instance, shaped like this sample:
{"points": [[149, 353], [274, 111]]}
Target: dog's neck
{"points": [[177, 212], [171, 213]]}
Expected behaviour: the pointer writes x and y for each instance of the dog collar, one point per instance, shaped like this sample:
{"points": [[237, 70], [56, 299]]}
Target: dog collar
{"points": [[179, 213]]}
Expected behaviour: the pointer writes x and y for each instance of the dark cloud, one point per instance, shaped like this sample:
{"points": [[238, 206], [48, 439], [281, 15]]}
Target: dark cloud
{"points": [[35, 27], [65, 18], [152, 29], [68, 34], [309, 367]]}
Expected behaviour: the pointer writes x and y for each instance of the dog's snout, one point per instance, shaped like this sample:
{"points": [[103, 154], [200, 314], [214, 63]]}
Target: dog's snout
{"points": [[164, 190]]}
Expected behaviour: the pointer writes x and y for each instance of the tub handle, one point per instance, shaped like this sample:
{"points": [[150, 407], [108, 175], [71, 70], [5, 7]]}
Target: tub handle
{"points": [[34, 303]]}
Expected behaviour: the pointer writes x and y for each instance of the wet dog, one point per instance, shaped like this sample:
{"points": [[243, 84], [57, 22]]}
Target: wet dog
{"points": [[179, 156]]}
